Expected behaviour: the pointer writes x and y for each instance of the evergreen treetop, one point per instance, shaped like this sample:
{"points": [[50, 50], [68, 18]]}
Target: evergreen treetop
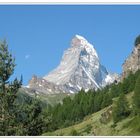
{"points": [[136, 97]]}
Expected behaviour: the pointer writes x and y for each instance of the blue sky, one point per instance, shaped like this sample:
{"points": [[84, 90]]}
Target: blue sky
{"points": [[38, 35]]}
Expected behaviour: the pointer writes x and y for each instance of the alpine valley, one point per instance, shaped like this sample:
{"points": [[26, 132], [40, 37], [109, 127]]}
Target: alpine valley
{"points": [[79, 98]]}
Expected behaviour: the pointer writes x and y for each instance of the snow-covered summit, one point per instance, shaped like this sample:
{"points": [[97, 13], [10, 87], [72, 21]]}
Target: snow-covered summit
{"points": [[80, 37], [81, 43], [81, 53], [79, 68]]}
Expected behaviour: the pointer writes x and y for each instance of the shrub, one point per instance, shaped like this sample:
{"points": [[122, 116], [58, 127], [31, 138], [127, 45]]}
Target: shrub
{"points": [[74, 133]]}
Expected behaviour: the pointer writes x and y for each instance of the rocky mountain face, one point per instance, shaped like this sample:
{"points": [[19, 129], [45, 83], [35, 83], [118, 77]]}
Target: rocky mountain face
{"points": [[79, 68], [132, 63], [43, 86]]}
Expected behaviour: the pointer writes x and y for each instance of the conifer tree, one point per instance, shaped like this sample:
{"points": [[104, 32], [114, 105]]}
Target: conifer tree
{"points": [[34, 123], [120, 109], [8, 91], [136, 97]]}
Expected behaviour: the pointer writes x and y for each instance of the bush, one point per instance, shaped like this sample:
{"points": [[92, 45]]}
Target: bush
{"points": [[113, 125], [74, 133], [88, 128]]}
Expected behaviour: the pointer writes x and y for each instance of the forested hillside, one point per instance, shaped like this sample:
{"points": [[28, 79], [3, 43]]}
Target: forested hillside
{"points": [[72, 111], [116, 115]]}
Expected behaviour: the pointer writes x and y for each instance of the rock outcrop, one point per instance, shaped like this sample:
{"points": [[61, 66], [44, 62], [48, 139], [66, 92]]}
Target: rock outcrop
{"points": [[132, 63]]}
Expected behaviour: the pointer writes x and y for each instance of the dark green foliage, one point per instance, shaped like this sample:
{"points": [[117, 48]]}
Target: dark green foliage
{"points": [[121, 109], [107, 100], [132, 80], [88, 128], [125, 86], [7, 63], [128, 84], [33, 116], [113, 125], [74, 110], [136, 98], [34, 122], [74, 133], [115, 89], [8, 92], [98, 101], [137, 41]]}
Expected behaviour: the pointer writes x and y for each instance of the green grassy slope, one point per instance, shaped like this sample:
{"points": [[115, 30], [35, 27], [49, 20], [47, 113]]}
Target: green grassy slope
{"points": [[93, 126], [54, 99], [51, 99]]}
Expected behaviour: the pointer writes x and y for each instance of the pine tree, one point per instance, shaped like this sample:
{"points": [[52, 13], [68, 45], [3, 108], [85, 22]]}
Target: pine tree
{"points": [[125, 86], [115, 90], [107, 100], [136, 97], [98, 101], [8, 92], [132, 82], [34, 122], [120, 109]]}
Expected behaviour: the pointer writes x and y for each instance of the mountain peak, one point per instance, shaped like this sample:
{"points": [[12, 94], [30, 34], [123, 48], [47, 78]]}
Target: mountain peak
{"points": [[79, 37], [78, 41], [79, 68]]}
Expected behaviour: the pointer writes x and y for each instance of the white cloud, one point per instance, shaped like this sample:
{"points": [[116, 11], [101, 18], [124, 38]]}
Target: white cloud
{"points": [[27, 56]]}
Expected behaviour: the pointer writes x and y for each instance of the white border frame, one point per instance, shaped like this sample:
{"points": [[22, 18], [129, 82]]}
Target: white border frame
{"points": [[69, 2]]}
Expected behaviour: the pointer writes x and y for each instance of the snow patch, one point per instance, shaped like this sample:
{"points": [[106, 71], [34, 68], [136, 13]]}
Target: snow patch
{"points": [[89, 82], [50, 90], [90, 77], [79, 87], [63, 72], [80, 37], [71, 91], [70, 85], [108, 79], [86, 90], [27, 86], [37, 92]]}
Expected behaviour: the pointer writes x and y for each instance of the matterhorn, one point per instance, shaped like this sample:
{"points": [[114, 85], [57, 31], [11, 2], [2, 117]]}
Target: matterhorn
{"points": [[80, 68]]}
